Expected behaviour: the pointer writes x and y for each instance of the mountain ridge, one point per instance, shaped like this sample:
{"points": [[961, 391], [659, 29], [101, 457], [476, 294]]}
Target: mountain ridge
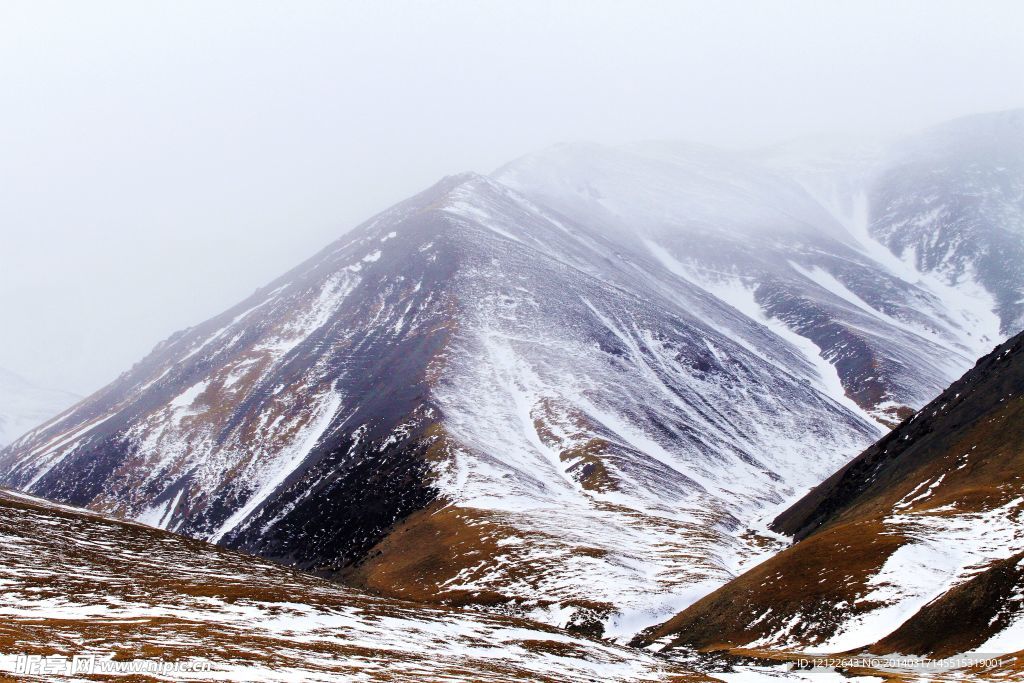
{"points": [[560, 445]]}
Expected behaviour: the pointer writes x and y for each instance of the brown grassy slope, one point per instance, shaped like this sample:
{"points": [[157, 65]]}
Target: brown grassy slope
{"points": [[973, 434], [452, 555], [427, 550]]}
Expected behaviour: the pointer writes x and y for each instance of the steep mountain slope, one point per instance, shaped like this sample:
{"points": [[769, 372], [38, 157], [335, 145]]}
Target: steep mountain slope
{"points": [[941, 208], [571, 425], [129, 595], [916, 546], [24, 405]]}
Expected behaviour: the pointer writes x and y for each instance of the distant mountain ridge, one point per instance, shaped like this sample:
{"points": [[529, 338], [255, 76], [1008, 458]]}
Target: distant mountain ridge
{"points": [[950, 203], [788, 238], [24, 405]]}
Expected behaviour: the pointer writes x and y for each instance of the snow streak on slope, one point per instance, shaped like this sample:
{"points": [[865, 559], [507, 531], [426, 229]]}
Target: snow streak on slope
{"points": [[944, 549], [734, 292]]}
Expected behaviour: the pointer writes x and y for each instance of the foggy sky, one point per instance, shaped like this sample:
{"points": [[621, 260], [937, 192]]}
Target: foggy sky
{"points": [[160, 161]]}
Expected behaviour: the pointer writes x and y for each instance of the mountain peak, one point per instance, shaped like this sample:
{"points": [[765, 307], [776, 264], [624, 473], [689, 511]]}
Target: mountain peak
{"points": [[451, 182]]}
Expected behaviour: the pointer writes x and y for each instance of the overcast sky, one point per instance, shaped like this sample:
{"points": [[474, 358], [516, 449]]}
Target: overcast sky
{"points": [[161, 160]]}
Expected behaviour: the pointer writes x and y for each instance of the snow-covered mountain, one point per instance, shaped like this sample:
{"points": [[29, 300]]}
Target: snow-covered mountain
{"points": [[569, 424], [24, 405], [565, 390], [915, 547]]}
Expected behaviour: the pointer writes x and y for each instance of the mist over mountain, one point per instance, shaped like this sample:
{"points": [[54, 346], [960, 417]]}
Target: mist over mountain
{"points": [[24, 405]]}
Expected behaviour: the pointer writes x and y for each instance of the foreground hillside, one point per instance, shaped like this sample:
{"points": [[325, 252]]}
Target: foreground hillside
{"points": [[915, 547], [76, 583]]}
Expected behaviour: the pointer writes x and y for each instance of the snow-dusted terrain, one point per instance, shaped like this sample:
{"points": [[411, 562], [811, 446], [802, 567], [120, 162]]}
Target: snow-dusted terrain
{"points": [[126, 595], [24, 405], [565, 390]]}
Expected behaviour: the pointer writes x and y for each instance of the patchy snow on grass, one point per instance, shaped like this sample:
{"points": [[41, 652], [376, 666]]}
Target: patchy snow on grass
{"points": [[944, 550]]}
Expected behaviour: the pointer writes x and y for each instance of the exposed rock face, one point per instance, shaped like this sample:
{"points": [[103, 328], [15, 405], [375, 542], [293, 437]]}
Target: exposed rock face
{"points": [[914, 547]]}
